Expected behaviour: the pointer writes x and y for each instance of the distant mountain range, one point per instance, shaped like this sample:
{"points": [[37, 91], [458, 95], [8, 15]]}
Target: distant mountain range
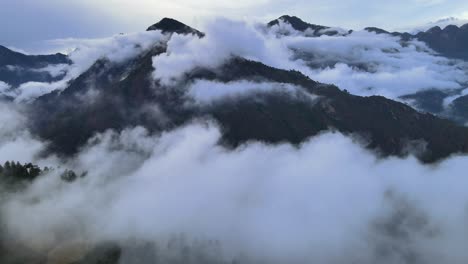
{"points": [[452, 41], [125, 92], [17, 68]]}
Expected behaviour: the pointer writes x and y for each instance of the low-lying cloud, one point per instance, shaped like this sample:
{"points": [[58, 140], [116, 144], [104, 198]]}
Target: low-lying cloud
{"points": [[366, 64], [328, 200], [363, 63]]}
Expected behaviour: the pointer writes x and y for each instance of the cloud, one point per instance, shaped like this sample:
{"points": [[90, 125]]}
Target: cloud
{"points": [[224, 39], [85, 52], [442, 23], [327, 201], [367, 64], [16, 142], [205, 92], [4, 87], [363, 63]]}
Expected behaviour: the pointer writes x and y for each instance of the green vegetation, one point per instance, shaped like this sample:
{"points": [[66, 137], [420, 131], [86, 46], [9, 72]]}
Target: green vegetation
{"points": [[12, 172]]}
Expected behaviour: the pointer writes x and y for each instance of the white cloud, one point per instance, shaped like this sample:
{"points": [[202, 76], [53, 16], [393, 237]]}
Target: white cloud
{"points": [[204, 91], [369, 64], [363, 63], [224, 39]]}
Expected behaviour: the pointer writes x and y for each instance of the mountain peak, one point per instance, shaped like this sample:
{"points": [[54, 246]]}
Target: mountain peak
{"points": [[376, 30], [169, 25], [296, 23]]}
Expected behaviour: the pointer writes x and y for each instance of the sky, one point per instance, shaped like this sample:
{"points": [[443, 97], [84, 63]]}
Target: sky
{"points": [[28, 23]]}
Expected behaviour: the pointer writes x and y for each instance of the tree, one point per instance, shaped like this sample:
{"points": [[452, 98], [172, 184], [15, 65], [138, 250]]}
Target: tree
{"points": [[69, 176]]}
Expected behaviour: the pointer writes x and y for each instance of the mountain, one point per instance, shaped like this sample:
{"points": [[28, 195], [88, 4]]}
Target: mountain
{"points": [[17, 68], [9, 57], [452, 41], [169, 25], [296, 23], [125, 95], [299, 25]]}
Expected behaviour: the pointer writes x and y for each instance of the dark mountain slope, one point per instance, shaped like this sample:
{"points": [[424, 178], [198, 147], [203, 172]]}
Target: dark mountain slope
{"points": [[452, 41], [388, 125], [107, 96]]}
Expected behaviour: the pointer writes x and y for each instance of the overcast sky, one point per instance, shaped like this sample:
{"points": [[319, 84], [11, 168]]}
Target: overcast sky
{"points": [[27, 23]]}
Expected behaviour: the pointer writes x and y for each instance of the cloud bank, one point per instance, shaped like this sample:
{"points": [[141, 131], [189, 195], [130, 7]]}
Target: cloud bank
{"points": [[327, 201]]}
